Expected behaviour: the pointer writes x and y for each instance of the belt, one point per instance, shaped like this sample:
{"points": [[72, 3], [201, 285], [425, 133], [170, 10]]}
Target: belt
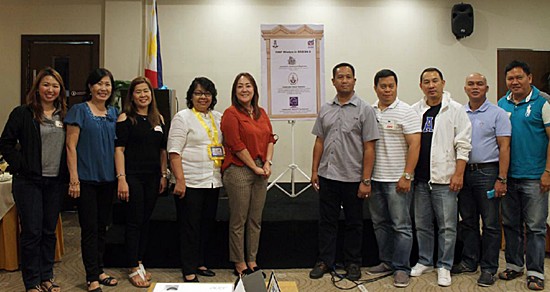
{"points": [[476, 166]]}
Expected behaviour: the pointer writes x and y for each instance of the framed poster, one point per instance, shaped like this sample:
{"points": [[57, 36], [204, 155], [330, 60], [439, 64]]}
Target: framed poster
{"points": [[292, 70]]}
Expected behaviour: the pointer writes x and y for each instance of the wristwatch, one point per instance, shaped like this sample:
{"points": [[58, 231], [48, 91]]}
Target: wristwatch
{"points": [[366, 181], [502, 179], [408, 176]]}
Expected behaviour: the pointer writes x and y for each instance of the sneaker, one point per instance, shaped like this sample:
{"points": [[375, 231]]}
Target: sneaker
{"points": [[420, 269], [486, 279], [462, 268], [382, 268], [443, 277], [401, 279], [318, 270], [353, 272]]}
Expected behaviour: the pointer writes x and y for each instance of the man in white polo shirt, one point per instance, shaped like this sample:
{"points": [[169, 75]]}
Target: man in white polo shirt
{"points": [[396, 156]]}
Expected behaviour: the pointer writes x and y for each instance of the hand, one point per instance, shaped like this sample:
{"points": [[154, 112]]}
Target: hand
{"points": [[163, 184], [74, 189], [403, 185], [179, 189], [259, 171], [364, 191], [123, 190], [315, 181], [545, 182], [267, 169], [500, 189], [456, 182]]}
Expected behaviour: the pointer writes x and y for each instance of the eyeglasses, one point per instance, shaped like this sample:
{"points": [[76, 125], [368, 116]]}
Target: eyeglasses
{"points": [[199, 94]]}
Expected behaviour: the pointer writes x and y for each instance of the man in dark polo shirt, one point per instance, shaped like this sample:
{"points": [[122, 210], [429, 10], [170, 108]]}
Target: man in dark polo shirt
{"points": [[343, 156]]}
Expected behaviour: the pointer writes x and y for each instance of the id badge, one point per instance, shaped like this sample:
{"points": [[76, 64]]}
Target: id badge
{"points": [[216, 152], [390, 125]]}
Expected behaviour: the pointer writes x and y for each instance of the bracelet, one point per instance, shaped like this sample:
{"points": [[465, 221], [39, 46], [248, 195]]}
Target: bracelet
{"points": [[120, 174], [74, 184]]}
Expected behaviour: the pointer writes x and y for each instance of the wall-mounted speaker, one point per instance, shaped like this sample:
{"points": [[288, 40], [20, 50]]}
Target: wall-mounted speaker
{"points": [[462, 20]]}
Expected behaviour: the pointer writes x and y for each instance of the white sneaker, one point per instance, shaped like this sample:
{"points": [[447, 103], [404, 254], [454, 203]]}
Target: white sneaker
{"points": [[420, 269], [443, 277]]}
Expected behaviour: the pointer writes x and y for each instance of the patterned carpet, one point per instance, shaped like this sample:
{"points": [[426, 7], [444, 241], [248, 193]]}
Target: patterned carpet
{"points": [[70, 275]]}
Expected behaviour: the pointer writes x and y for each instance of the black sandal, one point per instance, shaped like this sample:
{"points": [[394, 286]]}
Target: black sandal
{"points": [[534, 283], [98, 289], [37, 288], [509, 274], [49, 288], [108, 281]]}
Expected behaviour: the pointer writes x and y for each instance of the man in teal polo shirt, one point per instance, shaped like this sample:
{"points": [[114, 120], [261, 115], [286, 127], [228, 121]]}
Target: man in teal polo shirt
{"points": [[526, 201]]}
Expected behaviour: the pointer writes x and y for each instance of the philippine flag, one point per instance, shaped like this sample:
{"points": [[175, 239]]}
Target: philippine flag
{"points": [[153, 62]]}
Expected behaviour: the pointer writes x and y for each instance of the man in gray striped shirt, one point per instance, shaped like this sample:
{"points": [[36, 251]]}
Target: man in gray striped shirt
{"points": [[396, 156]]}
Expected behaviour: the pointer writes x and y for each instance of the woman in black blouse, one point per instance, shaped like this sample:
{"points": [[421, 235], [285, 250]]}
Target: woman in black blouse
{"points": [[140, 160]]}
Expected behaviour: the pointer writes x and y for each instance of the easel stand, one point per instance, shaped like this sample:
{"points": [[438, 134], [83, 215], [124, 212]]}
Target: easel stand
{"points": [[292, 167]]}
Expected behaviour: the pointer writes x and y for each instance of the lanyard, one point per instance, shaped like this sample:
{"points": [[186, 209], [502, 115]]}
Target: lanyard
{"points": [[213, 138]]}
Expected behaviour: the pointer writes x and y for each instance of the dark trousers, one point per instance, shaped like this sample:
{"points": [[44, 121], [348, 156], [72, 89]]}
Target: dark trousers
{"points": [[332, 195], [38, 203], [473, 204], [144, 191], [196, 216], [94, 213]]}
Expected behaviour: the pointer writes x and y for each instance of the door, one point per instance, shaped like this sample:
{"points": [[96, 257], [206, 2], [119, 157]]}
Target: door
{"points": [[73, 56], [539, 61]]}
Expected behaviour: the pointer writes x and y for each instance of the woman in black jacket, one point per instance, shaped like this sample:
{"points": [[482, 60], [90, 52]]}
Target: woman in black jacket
{"points": [[33, 144]]}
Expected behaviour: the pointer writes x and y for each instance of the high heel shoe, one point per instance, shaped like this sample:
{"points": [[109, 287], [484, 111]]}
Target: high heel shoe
{"points": [[196, 279], [244, 272]]}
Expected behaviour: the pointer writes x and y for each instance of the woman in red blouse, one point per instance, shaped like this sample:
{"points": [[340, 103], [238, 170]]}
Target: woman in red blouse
{"points": [[248, 143]]}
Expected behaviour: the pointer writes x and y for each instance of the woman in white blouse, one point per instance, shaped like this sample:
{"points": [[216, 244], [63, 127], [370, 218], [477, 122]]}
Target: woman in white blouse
{"points": [[196, 155]]}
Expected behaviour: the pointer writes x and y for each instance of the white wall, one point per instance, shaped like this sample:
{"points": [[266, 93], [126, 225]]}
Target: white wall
{"points": [[220, 38]]}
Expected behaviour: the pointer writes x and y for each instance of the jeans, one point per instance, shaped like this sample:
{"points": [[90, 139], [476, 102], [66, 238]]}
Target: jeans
{"points": [[524, 203], [435, 200], [38, 203], [196, 217], [94, 213], [473, 203], [332, 195], [391, 218], [144, 191]]}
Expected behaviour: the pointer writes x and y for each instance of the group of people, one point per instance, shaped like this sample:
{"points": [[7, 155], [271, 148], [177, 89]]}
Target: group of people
{"points": [[439, 159], [101, 153]]}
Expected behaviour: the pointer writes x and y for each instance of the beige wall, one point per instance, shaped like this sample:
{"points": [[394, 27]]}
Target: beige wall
{"points": [[219, 38], [18, 17]]}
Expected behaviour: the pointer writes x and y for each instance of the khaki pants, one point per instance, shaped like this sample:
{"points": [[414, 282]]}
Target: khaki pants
{"points": [[246, 192]]}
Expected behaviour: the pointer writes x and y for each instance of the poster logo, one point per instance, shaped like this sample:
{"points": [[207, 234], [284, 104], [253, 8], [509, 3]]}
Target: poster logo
{"points": [[291, 60], [293, 101], [275, 45], [293, 78], [311, 43]]}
